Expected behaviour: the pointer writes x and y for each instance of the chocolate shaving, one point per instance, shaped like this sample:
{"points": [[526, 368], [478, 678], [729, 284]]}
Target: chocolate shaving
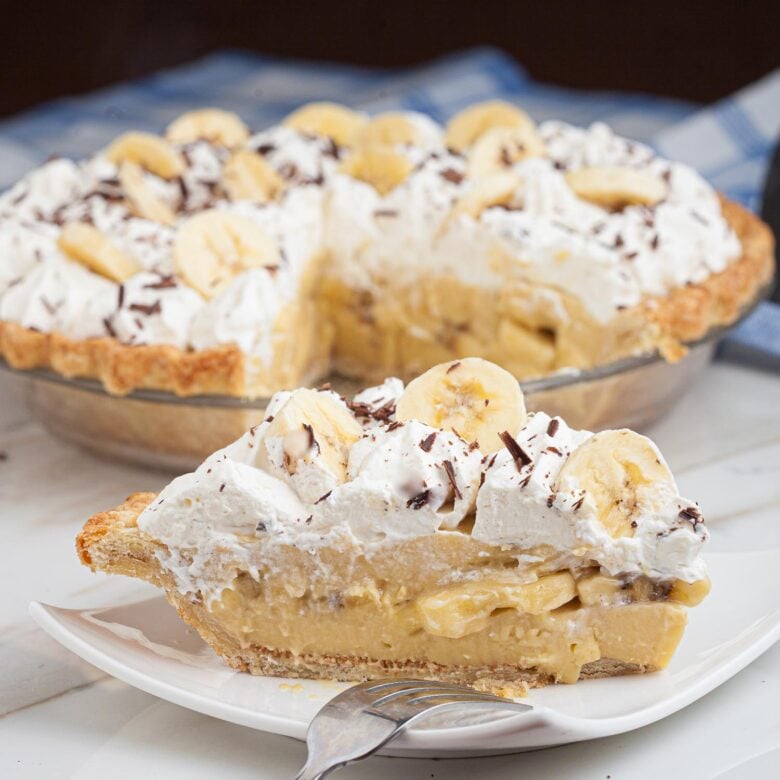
{"points": [[221, 487], [427, 442], [555, 451], [323, 497], [419, 501], [146, 310], [524, 483], [550, 499], [265, 149], [382, 414], [331, 149], [451, 175], [519, 455], [261, 527], [393, 425], [166, 283], [450, 471], [553, 426], [578, 503], [312, 441], [109, 327], [692, 514], [453, 366], [50, 307], [654, 242]]}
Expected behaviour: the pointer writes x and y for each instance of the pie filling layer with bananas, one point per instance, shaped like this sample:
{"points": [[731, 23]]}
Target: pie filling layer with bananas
{"points": [[436, 529], [213, 260]]}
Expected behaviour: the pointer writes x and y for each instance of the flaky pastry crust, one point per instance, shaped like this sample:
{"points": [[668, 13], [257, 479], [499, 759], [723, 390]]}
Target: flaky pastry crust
{"points": [[685, 314]]}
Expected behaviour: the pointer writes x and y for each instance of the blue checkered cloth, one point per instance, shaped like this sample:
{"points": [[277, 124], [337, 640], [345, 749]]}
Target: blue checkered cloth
{"points": [[730, 143]]}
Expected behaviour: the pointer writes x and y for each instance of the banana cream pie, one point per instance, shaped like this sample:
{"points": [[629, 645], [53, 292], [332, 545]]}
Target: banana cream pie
{"points": [[214, 260], [435, 529]]}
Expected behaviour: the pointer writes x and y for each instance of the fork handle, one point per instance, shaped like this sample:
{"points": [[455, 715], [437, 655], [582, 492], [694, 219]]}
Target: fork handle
{"points": [[310, 773]]}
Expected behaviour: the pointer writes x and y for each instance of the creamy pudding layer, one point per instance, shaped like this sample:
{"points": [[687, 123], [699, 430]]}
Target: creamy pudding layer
{"points": [[401, 242]]}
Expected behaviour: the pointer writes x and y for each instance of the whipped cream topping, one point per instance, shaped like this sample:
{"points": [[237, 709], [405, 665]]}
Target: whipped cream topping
{"points": [[525, 505], [404, 481], [567, 248]]}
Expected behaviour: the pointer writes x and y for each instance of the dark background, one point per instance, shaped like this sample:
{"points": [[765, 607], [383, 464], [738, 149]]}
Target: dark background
{"points": [[688, 48]]}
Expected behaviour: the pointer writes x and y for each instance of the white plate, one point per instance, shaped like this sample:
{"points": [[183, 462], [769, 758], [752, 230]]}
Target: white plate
{"points": [[146, 645]]}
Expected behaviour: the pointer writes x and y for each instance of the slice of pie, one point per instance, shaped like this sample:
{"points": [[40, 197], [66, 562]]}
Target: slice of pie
{"points": [[216, 260], [436, 530]]}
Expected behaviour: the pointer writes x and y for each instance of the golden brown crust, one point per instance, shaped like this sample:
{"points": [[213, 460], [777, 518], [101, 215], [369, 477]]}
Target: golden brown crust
{"points": [[685, 314], [111, 521], [504, 680], [122, 367], [110, 542]]}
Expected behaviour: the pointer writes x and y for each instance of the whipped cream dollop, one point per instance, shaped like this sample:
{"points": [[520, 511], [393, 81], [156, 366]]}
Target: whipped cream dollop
{"points": [[528, 504], [546, 236], [404, 481]]}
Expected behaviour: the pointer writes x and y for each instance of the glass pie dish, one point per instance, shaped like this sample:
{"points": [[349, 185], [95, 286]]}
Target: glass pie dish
{"points": [[160, 430]]}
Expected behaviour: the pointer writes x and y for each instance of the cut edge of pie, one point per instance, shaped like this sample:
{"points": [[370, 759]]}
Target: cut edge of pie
{"points": [[111, 542]]}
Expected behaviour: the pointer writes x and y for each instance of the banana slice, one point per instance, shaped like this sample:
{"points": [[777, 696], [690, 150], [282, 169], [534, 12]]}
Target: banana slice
{"points": [[476, 399], [210, 124], [339, 123], [502, 147], [690, 593], [314, 428], [247, 176], [87, 245], [459, 610], [623, 476], [381, 167], [149, 151], [613, 187], [495, 189], [143, 202], [214, 246], [392, 128], [471, 123]]}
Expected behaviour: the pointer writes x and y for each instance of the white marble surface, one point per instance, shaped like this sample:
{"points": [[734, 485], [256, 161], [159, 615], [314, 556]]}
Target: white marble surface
{"points": [[59, 717]]}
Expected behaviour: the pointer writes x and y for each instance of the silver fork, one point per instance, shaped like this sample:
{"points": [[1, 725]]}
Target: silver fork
{"points": [[364, 718]]}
